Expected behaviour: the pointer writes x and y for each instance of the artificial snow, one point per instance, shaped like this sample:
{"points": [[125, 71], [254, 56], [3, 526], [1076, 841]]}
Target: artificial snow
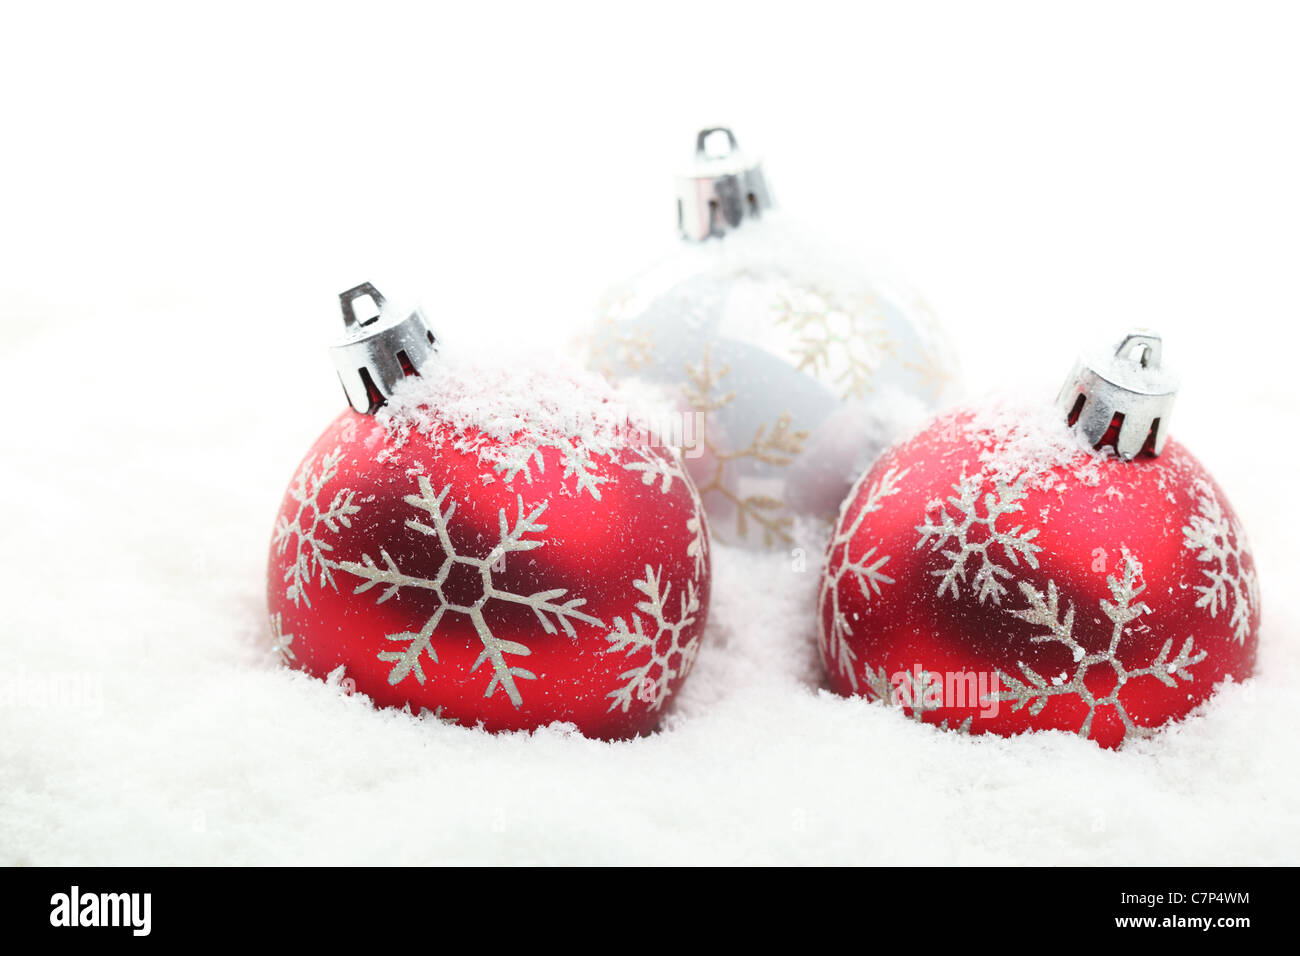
{"points": [[480, 404], [1019, 438], [147, 718]]}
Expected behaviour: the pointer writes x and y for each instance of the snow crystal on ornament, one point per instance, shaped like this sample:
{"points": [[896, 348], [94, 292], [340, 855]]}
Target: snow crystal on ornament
{"points": [[1029, 442], [506, 415]]}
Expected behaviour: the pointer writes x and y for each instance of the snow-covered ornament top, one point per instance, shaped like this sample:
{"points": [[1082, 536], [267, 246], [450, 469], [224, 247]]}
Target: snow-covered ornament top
{"points": [[1122, 399], [721, 190], [790, 364], [378, 352]]}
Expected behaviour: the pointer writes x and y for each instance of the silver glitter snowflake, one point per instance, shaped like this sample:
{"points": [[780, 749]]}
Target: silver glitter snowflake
{"points": [[649, 681], [865, 570], [1034, 691], [545, 604], [1222, 544], [307, 536], [880, 687], [521, 459], [666, 467], [975, 535], [280, 641]]}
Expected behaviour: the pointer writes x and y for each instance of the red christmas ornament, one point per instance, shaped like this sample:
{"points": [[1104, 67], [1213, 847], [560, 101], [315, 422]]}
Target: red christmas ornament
{"points": [[994, 575], [536, 565]]}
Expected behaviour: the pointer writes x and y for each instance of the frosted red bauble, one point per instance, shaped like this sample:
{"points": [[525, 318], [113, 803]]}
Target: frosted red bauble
{"points": [[992, 576], [503, 582]]}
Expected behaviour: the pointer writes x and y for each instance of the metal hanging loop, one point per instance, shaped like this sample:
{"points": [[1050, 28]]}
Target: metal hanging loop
{"points": [[1130, 388], [376, 354], [720, 192]]}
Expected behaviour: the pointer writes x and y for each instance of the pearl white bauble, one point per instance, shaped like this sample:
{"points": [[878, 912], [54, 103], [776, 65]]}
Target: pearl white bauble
{"points": [[795, 365]]}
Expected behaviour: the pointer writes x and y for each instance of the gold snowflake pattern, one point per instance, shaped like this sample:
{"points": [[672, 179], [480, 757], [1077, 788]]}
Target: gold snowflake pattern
{"points": [[615, 341], [930, 374], [775, 446], [851, 337]]}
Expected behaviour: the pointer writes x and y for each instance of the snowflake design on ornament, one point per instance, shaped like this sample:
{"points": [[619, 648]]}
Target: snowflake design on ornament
{"points": [[853, 338], [865, 570], [777, 446], [437, 714], [879, 687], [280, 641], [941, 526], [931, 374], [936, 367], [1044, 611], [1222, 543], [635, 348], [615, 341], [667, 468], [610, 343], [495, 649], [310, 547], [578, 463], [649, 682]]}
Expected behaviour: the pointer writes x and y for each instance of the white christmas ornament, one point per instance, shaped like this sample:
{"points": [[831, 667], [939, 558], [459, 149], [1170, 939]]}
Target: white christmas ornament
{"points": [[792, 367]]}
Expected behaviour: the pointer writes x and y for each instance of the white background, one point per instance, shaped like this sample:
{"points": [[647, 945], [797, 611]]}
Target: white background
{"points": [[183, 193]]}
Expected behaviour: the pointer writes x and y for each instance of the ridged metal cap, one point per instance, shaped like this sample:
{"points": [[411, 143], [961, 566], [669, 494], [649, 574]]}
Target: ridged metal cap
{"points": [[375, 354], [1129, 389], [720, 191]]}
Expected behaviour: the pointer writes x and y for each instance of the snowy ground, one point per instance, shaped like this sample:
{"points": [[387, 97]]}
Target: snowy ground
{"points": [[174, 231]]}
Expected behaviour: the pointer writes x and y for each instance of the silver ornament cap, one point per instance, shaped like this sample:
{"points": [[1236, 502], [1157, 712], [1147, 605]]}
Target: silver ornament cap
{"points": [[375, 354], [721, 190], [1129, 387]]}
